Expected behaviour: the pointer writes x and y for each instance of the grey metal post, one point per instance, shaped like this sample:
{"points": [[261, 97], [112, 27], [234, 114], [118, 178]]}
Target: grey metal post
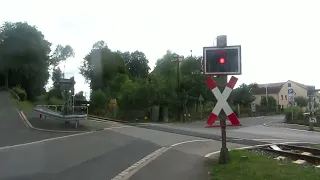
{"points": [[311, 103], [221, 83]]}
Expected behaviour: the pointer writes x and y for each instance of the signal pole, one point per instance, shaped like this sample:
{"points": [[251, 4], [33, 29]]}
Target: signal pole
{"points": [[222, 81]]}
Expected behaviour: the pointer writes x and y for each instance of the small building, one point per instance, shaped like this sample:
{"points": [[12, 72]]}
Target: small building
{"points": [[279, 91]]}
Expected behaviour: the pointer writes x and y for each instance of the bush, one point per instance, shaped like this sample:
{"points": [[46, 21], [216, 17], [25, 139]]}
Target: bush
{"points": [[56, 101], [20, 92], [297, 113]]}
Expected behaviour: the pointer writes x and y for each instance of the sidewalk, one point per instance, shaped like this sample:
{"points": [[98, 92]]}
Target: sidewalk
{"points": [[291, 126]]}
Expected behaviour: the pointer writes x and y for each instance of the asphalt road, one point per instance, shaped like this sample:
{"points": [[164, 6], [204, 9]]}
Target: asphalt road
{"points": [[251, 133], [12, 128], [30, 154], [105, 154]]}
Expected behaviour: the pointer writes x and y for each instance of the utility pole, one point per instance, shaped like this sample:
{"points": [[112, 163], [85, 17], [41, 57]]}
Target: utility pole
{"points": [[222, 81], [311, 107], [267, 95], [179, 59]]}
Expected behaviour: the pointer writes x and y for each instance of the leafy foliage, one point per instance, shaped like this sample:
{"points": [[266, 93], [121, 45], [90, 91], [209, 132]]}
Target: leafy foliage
{"points": [[25, 57], [272, 102], [20, 92], [301, 101]]}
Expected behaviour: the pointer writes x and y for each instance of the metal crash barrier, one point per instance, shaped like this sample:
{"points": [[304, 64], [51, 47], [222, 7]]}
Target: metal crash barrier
{"points": [[46, 111]]}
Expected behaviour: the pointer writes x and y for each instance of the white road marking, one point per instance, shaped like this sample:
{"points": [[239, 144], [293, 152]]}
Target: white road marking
{"points": [[248, 147], [301, 130], [22, 118], [56, 138], [269, 139], [126, 174], [44, 140], [184, 142]]}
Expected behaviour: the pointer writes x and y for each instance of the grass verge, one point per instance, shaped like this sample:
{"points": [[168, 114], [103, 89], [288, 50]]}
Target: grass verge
{"points": [[24, 105], [259, 167], [317, 146]]}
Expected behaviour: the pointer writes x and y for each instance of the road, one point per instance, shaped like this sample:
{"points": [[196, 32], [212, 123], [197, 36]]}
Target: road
{"points": [[39, 155], [251, 131], [147, 151], [13, 130]]}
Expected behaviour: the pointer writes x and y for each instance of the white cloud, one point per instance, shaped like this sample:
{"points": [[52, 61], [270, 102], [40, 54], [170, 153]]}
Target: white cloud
{"points": [[279, 38]]}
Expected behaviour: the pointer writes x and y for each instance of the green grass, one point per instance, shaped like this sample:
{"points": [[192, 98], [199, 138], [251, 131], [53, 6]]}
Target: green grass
{"points": [[24, 105], [315, 146], [259, 167]]}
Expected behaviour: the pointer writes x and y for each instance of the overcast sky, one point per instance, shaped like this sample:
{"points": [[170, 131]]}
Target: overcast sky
{"points": [[279, 39]]}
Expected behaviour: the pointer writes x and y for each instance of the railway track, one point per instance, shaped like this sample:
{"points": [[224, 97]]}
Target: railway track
{"points": [[97, 118], [298, 153]]}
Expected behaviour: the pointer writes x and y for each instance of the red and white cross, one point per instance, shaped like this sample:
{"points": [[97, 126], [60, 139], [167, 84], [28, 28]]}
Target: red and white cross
{"points": [[222, 103]]}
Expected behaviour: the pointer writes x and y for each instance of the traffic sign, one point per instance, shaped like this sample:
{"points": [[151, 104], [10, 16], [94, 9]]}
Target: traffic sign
{"points": [[200, 98], [313, 120], [222, 103], [290, 91], [253, 107], [291, 99]]}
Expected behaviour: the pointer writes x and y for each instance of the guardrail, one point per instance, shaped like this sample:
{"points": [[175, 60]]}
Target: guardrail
{"points": [[56, 107]]}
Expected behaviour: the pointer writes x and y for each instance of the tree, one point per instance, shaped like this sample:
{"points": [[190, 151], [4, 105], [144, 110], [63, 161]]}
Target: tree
{"points": [[242, 95], [80, 96], [301, 101], [272, 102], [61, 53], [56, 76], [24, 57], [137, 64], [191, 65], [101, 65]]}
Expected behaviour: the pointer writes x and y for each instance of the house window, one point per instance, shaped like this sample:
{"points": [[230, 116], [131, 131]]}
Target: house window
{"points": [[285, 96], [289, 84], [281, 97]]}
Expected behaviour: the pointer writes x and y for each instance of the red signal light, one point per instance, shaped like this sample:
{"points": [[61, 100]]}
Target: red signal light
{"points": [[222, 60]]}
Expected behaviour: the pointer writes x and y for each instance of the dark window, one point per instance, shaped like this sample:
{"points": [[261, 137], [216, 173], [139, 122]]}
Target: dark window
{"points": [[289, 84], [281, 97], [285, 96]]}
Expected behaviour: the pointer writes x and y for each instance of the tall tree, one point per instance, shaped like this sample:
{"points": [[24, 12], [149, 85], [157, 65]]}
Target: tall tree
{"points": [[101, 65], [80, 96], [301, 101], [137, 63], [56, 76], [242, 95], [24, 56]]}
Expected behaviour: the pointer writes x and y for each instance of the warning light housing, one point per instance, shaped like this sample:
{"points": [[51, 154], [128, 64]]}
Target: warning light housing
{"points": [[222, 61]]}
